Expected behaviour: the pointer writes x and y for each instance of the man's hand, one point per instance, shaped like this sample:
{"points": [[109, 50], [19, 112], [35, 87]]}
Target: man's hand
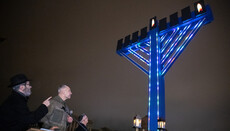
{"points": [[47, 101], [54, 127], [69, 119]]}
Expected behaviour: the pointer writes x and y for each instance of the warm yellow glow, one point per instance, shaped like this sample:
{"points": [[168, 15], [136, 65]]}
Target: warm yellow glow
{"points": [[137, 123], [153, 22], [161, 124], [199, 7]]}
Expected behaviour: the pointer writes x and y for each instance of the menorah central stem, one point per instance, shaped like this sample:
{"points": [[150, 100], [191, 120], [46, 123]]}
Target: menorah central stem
{"points": [[156, 110]]}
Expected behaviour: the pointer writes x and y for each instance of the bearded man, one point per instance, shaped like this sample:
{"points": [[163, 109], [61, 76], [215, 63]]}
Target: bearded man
{"points": [[14, 112]]}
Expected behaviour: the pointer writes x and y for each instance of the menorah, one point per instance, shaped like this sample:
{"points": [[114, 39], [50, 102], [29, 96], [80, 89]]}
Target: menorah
{"points": [[155, 50]]}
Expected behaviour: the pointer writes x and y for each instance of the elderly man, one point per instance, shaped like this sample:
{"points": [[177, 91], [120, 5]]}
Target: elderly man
{"points": [[57, 117], [83, 119], [14, 112]]}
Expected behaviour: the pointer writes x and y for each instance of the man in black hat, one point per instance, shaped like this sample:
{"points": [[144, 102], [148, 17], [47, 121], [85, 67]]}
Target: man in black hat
{"points": [[14, 112]]}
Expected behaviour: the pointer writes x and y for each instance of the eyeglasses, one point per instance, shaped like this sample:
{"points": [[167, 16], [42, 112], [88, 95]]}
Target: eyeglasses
{"points": [[27, 84]]}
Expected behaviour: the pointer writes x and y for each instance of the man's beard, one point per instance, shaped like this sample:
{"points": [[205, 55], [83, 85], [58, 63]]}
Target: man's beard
{"points": [[27, 91]]}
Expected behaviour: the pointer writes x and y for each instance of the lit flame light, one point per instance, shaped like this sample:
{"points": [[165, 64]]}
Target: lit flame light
{"points": [[199, 7], [153, 22]]}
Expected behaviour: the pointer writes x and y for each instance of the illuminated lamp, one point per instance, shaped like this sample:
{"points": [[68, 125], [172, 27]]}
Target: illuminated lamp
{"points": [[161, 125], [127, 41], [143, 33], [163, 24], [135, 37], [174, 19], [199, 7], [186, 13], [137, 122], [119, 44], [153, 23]]}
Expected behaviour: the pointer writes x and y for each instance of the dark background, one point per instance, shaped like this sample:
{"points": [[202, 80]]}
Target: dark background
{"points": [[73, 42]]}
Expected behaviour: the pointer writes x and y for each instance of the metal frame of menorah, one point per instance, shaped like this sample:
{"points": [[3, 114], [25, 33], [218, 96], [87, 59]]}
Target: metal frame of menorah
{"points": [[155, 51]]}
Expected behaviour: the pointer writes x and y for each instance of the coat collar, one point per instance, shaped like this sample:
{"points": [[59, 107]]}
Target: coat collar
{"points": [[21, 95]]}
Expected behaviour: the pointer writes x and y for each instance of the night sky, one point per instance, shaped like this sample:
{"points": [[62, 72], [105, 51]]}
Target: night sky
{"points": [[73, 42]]}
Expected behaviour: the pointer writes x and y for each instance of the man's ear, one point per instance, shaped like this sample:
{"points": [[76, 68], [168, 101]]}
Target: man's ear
{"points": [[21, 87]]}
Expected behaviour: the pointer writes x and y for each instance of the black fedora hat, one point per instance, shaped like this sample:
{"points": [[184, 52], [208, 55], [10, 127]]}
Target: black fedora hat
{"points": [[18, 79], [81, 116]]}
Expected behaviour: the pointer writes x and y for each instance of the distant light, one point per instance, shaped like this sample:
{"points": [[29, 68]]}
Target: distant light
{"points": [[199, 7], [137, 121], [161, 124], [153, 22]]}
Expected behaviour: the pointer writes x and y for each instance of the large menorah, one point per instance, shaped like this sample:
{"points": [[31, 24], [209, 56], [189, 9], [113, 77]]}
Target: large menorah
{"points": [[155, 51]]}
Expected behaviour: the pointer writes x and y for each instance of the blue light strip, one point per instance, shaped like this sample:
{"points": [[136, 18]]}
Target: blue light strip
{"points": [[184, 44], [170, 39], [135, 63], [171, 49], [149, 104], [147, 43], [158, 73], [163, 37], [142, 49], [140, 57]]}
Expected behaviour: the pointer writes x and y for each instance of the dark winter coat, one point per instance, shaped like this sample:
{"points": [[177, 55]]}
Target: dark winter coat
{"points": [[81, 127], [15, 114]]}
